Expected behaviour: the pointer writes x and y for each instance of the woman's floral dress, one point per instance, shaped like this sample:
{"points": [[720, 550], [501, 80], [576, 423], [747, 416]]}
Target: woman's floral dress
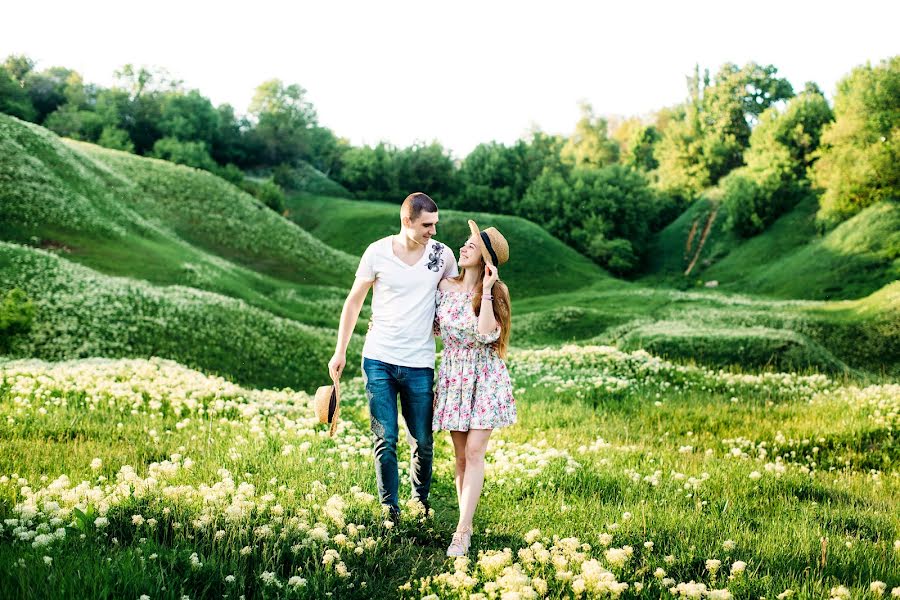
{"points": [[473, 386]]}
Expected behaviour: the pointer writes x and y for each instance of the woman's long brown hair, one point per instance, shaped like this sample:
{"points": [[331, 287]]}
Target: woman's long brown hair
{"points": [[502, 308]]}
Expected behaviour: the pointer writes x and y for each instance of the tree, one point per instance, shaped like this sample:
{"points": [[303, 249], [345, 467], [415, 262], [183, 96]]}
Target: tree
{"points": [[370, 173], [325, 149], [192, 154], [137, 100], [47, 89], [115, 138], [782, 148], [230, 144], [636, 141], [77, 117], [859, 160], [797, 129], [143, 120], [698, 150], [188, 117], [495, 177], [139, 80], [608, 214], [590, 145], [426, 167], [284, 118], [490, 179], [18, 66], [14, 99], [271, 194], [77, 124]]}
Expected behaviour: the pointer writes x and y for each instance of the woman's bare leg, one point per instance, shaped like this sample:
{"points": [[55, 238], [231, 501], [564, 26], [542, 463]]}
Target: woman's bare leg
{"points": [[473, 478], [459, 449]]}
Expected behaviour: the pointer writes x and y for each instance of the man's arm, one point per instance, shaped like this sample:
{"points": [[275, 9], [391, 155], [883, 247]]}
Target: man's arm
{"points": [[349, 315]]}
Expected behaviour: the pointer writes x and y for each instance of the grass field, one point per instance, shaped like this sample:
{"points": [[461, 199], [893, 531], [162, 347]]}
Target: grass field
{"points": [[626, 476], [738, 442], [152, 220]]}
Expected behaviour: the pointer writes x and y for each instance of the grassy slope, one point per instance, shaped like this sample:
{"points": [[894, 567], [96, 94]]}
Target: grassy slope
{"points": [[790, 259], [150, 219], [538, 262], [716, 328], [82, 313]]}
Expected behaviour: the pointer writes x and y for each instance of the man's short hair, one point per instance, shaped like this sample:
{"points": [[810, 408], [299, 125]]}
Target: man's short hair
{"points": [[415, 204]]}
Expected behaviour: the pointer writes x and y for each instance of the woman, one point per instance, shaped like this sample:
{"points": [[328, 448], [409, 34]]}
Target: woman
{"points": [[474, 393]]}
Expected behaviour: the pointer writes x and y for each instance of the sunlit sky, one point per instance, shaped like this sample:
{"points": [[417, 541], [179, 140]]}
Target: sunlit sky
{"points": [[460, 72]]}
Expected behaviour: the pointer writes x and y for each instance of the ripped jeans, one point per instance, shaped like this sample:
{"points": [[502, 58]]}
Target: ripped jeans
{"points": [[384, 382]]}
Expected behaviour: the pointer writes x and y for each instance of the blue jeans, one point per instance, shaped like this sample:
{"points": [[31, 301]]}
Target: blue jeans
{"points": [[415, 387]]}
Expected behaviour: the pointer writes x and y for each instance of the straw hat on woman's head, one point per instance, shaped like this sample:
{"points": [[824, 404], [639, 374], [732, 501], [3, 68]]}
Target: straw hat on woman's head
{"points": [[493, 246]]}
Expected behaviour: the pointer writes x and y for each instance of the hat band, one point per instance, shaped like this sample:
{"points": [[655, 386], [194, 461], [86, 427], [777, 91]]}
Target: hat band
{"points": [[332, 405], [490, 249]]}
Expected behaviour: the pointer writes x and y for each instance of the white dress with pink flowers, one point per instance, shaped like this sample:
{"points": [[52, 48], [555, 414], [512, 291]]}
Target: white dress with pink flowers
{"points": [[473, 386]]}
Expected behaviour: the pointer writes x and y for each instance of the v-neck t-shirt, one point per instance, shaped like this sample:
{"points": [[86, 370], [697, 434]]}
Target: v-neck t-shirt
{"points": [[403, 302]]}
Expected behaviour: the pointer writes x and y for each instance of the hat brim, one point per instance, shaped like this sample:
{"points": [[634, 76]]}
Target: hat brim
{"points": [[337, 408], [323, 405], [334, 421], [485, 255]]}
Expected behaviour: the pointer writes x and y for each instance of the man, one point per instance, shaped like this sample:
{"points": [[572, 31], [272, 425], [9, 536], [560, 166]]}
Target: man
{"points": [[398, 355]]}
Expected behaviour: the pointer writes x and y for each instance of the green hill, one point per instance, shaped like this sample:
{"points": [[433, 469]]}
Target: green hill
{"points": [[721, 329], [103, 206], [789, 260], [538, 264], [82, 313]]}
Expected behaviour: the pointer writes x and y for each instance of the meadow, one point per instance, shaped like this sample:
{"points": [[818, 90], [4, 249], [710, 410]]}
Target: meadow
{"points": [[626, 476]]}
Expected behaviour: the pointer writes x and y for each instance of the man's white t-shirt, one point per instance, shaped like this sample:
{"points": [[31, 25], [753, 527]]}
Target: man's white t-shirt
{"points": [[403, 302]]}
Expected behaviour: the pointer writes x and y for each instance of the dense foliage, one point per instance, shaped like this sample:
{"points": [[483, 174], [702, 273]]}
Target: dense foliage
{"points": [[782, 149], [16, 316], [859, 162]]}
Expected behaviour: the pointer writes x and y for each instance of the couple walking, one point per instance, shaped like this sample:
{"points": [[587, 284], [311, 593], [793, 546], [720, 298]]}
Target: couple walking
{"points": [[420, 292]]}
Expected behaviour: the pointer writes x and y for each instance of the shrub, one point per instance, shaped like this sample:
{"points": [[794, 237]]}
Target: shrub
{"points": [[16, 316], [115, 139], [271, 194], [231, 173], [303, 177], [607, 214], [192, 154], [749, 347]]}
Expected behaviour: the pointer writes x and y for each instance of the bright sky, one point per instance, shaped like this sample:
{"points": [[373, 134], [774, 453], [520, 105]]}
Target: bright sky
{"points": [[460, 72]]}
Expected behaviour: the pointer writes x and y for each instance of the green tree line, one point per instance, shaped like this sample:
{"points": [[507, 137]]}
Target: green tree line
{"points": [[742, 135]]}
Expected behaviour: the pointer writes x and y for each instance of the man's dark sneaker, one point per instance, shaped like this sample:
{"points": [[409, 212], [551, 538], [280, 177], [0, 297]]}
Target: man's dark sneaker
{"points": [[391, 512]]}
